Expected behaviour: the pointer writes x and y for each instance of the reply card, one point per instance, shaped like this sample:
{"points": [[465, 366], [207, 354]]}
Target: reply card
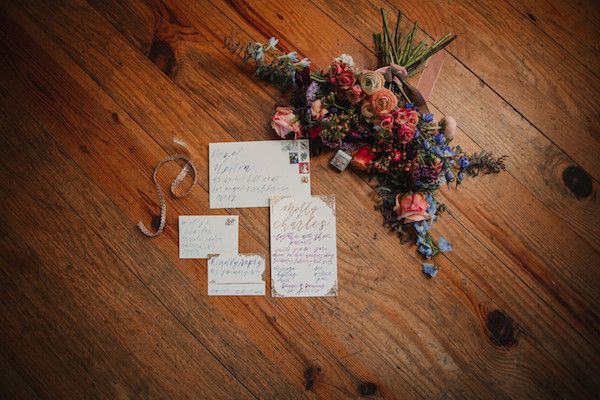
{"points": [[247, 174], [303, 246], [236, 275], [201, 235]]}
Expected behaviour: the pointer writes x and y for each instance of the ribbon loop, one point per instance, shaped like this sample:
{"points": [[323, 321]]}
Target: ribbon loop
{"points": [[185, 170]]}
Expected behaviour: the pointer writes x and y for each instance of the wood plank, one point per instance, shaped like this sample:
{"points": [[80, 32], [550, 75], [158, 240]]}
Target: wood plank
{"points": [[12, 385], [286, 343], [75, 321], [574, 25], [543, 82], [302, 41], [396, 245]]}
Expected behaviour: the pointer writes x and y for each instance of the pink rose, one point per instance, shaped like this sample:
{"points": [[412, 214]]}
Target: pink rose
{"points": [[317, 110], [384, 101], [341, 75], [284, 121], [406, 133], [386, 121], [411, 207], [412, 117], [355, 94]]}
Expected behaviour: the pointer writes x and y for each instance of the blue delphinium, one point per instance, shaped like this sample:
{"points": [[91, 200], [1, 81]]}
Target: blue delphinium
{"points": [[430, 270], [444, 245]]}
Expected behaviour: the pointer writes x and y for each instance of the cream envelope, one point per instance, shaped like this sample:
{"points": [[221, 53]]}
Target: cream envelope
{"points": [[303, 246], [201, 235], [246, 174], [236, 275]]}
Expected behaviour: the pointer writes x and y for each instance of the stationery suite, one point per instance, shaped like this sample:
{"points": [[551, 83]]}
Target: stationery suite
{"points": [[273, 174], [246, 174], [303, 246]]}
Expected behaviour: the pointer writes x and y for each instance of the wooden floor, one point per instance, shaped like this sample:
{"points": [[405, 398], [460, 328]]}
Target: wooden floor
{"points": [[92, 94]]}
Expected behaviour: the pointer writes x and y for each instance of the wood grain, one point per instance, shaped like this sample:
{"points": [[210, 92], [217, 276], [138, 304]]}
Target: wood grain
{"points": [[101, 89]]}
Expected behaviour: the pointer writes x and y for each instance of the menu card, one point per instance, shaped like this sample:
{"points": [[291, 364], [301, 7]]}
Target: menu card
{"points": [[303, 246]]}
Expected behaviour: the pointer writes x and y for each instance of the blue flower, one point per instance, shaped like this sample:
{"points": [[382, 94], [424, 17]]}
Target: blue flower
{"points": [[432, 206], [409, 105], [425, 250], [426, 145], [417, 133], [444, 245], [430, 270], [449, 175], [444, 151], [272, 43], [422, 227], [305, 62], [460, 176], [440, 138], [293, 56], [427, 117], [463, 162]]}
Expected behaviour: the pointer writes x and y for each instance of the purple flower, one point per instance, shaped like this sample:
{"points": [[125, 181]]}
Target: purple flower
{"points": [[439, 139], [449, 175], [463, 162], [311, 91]]}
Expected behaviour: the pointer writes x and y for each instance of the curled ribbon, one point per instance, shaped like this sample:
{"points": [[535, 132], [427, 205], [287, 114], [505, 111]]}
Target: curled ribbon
{"points": [[189, 164], [398, 75]]}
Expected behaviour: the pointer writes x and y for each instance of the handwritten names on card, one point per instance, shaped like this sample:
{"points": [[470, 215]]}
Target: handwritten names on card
{"points": [[303, 246], [246, 174]]}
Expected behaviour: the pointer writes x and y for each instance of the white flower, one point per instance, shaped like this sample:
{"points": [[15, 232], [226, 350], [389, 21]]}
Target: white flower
{"points": [[305, 62], [272, 43], [346, 59]]}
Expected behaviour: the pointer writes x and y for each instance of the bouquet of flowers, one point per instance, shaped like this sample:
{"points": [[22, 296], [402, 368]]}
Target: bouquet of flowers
{"points": [[378, 123]]}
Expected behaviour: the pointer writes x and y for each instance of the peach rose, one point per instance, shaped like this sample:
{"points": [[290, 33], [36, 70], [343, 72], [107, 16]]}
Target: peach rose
{"points": [[386, 121], [366, 109], [406, 116], [412, 117], [411, 207], [284, 121], [317, 110], [371, 81], [384, 101]]}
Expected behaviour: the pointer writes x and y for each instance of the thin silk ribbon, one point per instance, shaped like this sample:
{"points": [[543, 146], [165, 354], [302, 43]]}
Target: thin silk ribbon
{"points": [[398, 74], [189, 164]]}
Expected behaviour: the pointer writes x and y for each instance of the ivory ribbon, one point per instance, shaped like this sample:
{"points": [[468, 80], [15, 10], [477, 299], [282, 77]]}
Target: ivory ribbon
{"points": [[189, 164], [397, 74]]}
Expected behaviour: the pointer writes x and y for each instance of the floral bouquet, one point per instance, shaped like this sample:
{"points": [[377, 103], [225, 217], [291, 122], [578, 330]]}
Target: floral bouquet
{"points": [[377, 123]]}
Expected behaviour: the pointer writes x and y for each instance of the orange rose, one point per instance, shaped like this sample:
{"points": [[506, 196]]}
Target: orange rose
{"points": [[411, 207], [384, 101]]}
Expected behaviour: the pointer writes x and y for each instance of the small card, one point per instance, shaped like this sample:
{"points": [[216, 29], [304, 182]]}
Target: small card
{"points": [[201, 235], [247, 174], [236, 275], [303, 246]]}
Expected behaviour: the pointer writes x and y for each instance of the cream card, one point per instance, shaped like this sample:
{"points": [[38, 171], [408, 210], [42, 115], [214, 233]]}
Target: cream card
{"points": [[247, 174], [303, 246], [201, 235], [236, 275]]}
